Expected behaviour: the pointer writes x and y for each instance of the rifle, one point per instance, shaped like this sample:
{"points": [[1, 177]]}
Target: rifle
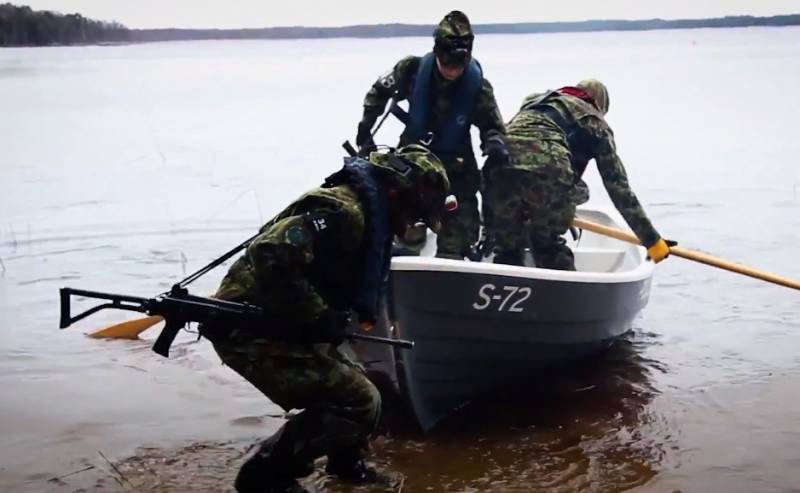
{"points": [[348, 147], [178, 308]]}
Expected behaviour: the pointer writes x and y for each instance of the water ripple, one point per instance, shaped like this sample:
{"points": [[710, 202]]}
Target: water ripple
{"points": [[66, 277]]}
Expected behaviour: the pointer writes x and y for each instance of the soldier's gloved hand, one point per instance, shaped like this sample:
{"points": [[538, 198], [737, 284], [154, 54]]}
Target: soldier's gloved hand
{"points": [[496, 152], [659, 250], [330, 327], [364, 140]]}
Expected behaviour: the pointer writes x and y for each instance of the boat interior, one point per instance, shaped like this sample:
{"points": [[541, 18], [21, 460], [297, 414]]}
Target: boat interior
{"points": [[593, 252]]}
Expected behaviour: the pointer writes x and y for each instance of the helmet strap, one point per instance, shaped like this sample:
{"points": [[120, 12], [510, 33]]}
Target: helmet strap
{"points": [[401, 166]]}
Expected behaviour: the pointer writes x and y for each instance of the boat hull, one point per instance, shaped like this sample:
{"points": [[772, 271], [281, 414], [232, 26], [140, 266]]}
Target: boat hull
{"points": [[469, 342], [479, 328]]}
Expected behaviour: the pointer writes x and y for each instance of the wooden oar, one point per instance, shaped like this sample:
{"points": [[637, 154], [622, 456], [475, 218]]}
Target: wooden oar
{"points": [[703, 258], [132, 328], [127, 330]]}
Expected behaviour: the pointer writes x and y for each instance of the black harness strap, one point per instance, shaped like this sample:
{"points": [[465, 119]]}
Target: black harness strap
{"points": [[556, 117], [398, 112], [217, 262], [579, 141]]}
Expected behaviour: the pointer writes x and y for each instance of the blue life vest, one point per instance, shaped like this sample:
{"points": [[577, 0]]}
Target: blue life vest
{"points": [[377, 242], [454, 133]]}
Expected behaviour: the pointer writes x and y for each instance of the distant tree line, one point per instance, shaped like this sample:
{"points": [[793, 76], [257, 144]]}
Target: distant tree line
{"points": [[640, 25], [397, 30], [23, 26]]}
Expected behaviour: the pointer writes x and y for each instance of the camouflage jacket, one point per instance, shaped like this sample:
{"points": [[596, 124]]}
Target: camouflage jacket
{"points": [[530, 127], [304, 260], [399, 83]]}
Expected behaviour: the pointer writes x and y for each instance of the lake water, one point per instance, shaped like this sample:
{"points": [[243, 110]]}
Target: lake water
{"points": [[126, 167]]}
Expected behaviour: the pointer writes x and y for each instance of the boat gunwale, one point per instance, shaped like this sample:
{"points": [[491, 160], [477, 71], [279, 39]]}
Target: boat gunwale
{"points": [[427, 264]]}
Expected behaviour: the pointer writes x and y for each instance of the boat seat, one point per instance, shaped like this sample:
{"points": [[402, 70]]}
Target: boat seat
{"points": [[599, 259]]}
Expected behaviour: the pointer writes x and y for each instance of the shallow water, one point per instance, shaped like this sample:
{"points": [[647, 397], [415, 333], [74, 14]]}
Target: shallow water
{"points": [[124, 168]]}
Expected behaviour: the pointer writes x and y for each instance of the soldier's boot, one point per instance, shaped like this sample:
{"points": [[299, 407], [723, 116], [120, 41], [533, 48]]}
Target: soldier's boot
{"points": [[510, 257], [449, 243], [348, 465], [278, 461], [450, 255], [455, 245], [554, 255], [412, 242], [279, 486]]}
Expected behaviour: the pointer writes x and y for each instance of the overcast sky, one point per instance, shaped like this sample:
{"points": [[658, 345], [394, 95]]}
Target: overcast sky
{"points": [[264, 13]]}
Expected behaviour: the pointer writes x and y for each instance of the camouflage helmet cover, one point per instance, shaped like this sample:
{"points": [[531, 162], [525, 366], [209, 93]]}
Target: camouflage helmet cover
{"points": [[415, 169], [598, 92], [453, 39]]}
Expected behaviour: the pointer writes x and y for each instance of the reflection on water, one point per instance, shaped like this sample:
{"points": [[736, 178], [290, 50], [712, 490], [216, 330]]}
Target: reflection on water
{"points": [[588, 427]]}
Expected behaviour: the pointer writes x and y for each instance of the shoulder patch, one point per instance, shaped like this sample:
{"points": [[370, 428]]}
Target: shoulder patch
{"points": [[298, 236]]}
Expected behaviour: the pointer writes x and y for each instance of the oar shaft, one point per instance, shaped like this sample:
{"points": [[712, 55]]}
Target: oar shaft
{"points": [[703, 258]]}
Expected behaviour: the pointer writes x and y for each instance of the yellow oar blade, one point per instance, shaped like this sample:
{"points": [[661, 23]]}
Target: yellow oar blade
{"points": [[127, 330], [703, 258]]}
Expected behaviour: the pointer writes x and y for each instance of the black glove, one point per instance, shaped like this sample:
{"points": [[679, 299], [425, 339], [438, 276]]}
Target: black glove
{"points": [[364, 140], [330, 327], [483, 248], [496, 152]]}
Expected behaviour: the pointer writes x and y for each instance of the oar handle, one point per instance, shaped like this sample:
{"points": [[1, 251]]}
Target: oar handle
{"points": [[703, 258]]}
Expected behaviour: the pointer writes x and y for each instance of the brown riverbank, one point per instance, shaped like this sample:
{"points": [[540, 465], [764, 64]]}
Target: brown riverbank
{"points": [[208, 467]]}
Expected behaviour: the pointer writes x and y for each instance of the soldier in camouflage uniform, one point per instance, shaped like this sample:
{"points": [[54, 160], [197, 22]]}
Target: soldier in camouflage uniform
{"points": [[324, 255], [551, 141], [447, 93]]}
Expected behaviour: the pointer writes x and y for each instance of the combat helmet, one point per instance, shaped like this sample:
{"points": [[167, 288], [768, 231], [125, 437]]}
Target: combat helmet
{"points": [[420, 175], [453, 39], [598, 92]]}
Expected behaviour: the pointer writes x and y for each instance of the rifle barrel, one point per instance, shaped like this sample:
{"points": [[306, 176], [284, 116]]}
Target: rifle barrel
{"points": [[402, 343]]}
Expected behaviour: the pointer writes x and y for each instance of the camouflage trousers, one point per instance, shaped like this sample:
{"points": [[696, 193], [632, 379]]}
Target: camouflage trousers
{"points": [[460, 228], [340, 405], [531, 211]]}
